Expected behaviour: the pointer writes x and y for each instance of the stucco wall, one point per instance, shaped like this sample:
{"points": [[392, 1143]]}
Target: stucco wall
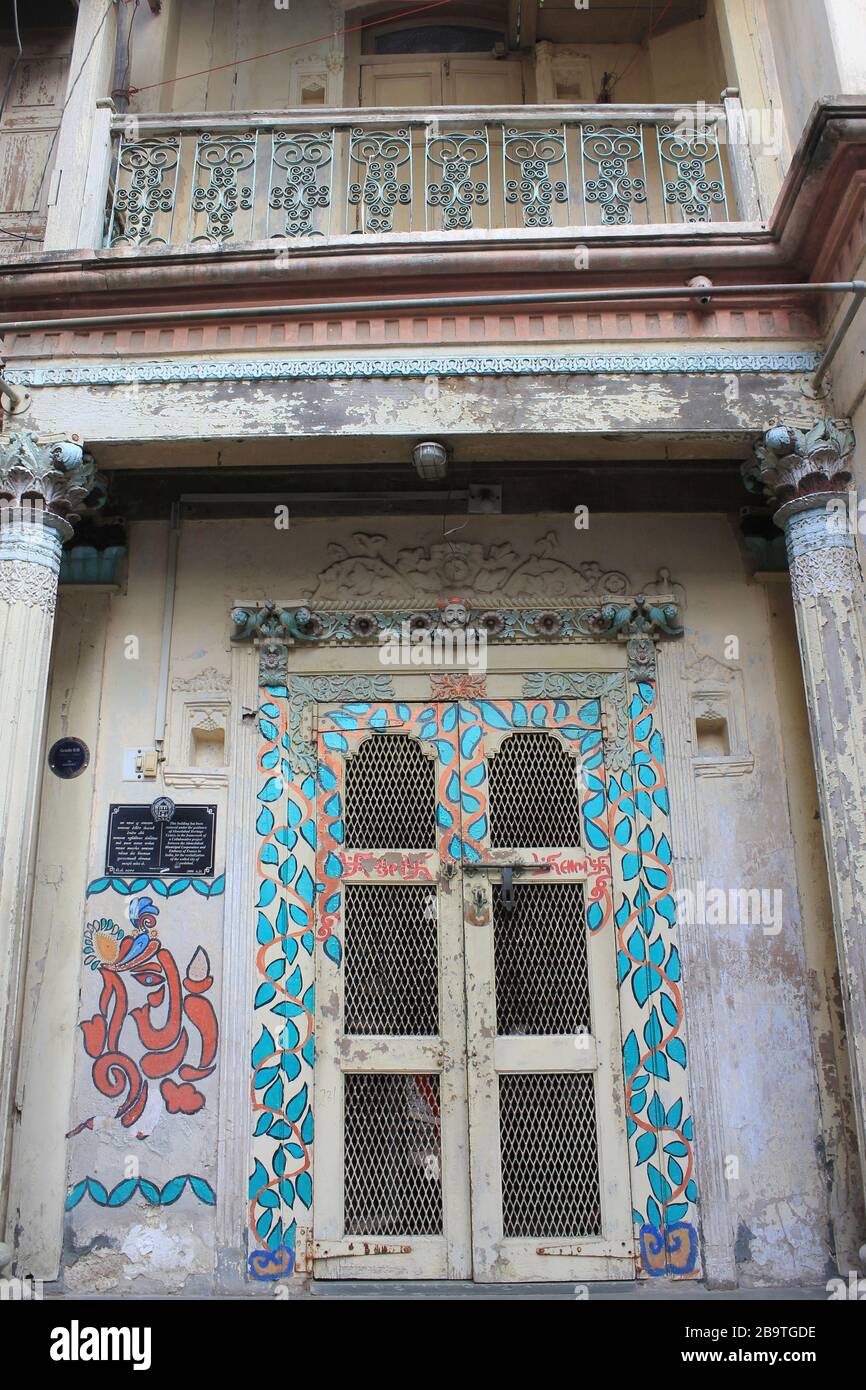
{"points": [[781, 1111]]}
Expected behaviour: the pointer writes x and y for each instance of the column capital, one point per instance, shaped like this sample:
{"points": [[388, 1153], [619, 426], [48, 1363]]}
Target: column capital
{"points": [[47, 479], [799, 470]]}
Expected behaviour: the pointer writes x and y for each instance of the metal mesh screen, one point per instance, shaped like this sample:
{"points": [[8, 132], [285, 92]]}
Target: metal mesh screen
{"points": [[393, 1170], [539, 952], [534, 793], [547, 1130], [390, 795], [392, 959]]}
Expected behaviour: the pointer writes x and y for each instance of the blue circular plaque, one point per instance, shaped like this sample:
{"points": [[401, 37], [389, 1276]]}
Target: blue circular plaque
{"points": [[68, 757]]}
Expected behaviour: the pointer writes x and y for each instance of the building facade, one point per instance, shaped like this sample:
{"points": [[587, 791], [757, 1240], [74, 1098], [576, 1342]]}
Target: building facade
{"points": [[432, 643]]}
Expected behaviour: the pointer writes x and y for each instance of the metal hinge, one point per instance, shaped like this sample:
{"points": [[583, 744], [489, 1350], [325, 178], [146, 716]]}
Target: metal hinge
{"points": [[346, 1249]]}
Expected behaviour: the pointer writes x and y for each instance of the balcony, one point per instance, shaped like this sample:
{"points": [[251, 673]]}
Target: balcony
{"points": [[213, 180]]}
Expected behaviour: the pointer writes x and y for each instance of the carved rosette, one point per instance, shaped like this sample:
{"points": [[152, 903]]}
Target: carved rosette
{"points": [[807, 474]]}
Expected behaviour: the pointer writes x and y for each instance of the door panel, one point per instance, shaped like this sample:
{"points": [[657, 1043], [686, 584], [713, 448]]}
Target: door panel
{"points": [[550, 1179], [391, 1154], [483, 81], [410, 82]]}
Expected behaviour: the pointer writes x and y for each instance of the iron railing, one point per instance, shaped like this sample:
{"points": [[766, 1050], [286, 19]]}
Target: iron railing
{"points": [[213, 179]]}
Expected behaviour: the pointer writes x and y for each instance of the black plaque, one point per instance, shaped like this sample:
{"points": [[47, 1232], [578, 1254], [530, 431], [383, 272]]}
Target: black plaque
{"points": [[68, 757], [142, 847]]}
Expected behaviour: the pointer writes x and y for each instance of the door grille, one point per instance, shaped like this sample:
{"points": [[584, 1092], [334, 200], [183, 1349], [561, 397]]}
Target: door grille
{"points": [[534, 793], [390, 795], [547, 1133], [393, 1167], [392, 959], [539, 951]]}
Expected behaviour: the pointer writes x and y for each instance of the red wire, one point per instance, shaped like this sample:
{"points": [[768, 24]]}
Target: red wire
{"points": [[650, 31], [332, 33]]}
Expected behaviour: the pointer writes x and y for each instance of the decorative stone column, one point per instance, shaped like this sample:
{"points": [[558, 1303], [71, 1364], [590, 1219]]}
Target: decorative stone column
{"points": [[44, 481], [807, 475]]}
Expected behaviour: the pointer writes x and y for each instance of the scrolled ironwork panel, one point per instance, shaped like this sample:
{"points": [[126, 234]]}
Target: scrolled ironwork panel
{"points": [[144, 192], [380, 176], [220, 189], [530, 161], [686, 160], [615, 156], [460, 161], [302, 165]]}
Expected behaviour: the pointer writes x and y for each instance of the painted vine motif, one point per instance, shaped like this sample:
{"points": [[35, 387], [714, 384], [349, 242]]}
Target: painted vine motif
{"points": [[626, 814], [124, 1067]]}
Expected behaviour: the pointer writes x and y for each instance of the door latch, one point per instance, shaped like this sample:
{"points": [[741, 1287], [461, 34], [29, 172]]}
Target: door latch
{"points": [[507, 890]]}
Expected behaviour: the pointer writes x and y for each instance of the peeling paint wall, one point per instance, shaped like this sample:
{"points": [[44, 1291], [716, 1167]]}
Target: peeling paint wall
{"points": [[146, 1221]]}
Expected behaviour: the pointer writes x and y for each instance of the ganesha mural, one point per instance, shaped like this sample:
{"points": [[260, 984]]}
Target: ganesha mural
{"points": [[167, 1041]]}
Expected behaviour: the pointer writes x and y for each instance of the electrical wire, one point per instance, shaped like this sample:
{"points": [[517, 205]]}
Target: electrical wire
{"points": [[304, 43]]}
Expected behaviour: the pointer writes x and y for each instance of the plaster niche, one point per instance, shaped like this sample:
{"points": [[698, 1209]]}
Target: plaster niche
{"points": [[198, 747], [316, 80], [562, 74], [717, 703]]}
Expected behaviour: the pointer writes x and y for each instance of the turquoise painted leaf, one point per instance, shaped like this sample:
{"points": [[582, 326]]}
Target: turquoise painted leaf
{"points": [[327, 778], [630, 866], [595, 836], [645, 1147], [267, 893], [644, 804], [271, 710], [493, 716], [519, 714], [590, 713], [218, 886], [308, 830], [660, 797], [273, 1096], [594, 916], [594, 805], [477, 829], [666, 908], [262, 1124], [335, 742], [663, 849], [298, 915], [692, 1190], [560, 711], [149, 1191], [659, 1183], [656, 1112], [202, 1190], [287, 1191], [475, 775], [264, 1048], [291, 1066], [652, 1030], [676, 1050], [308, 942], [623, 966], [646, 775], [622, 912], [657, 951], [675, 1114], [675, 1212], [276, 970], [282, 920], [333, 867], [264, 994], [677, 1148], [675, 1172], [469, 740], [630, 1126], [449, 718], [630, 1055], [653, 1214], [673, 965], [452, 787], [332, 950], [307, 1128], [639, 1082], [444, 817], [97, 1192], [539, 719], [122, 1192], [645, 840], [269, 854], [445, 751], [264, 930], [264, 1076], [172, 1190], [642, 729], [268, 730], [669, 1009], [297, 1105], [305, 886], [637, 945], [638, 1101], [272, 790], [263, 1225], [271, 759], [265, 822], [657, 1064], [304, 1185]]}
